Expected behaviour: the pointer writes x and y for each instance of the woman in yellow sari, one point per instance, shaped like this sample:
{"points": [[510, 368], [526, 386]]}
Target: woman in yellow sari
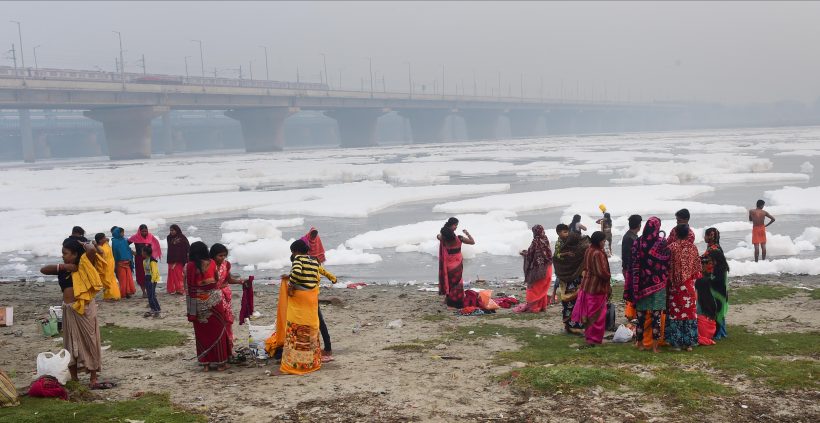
{"points": [[105, 266], [301, 352]]}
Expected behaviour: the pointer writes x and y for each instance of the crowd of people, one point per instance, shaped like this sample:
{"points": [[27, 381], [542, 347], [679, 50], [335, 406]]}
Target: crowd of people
{"points": [[673, 295], [203, 275]]}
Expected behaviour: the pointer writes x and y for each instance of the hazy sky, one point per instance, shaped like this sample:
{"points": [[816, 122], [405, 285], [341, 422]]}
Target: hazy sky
{"points": [[729, 52]]}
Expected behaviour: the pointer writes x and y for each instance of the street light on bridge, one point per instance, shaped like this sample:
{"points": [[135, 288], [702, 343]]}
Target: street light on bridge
{"points": [[409, 79], [186, 68], [35, 56], [267, 70], [327, 77], [201, 61], [122, 61], [20, 36]]}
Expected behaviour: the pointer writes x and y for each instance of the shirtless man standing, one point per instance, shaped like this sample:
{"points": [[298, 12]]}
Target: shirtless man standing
{"points": [[758, 218]]}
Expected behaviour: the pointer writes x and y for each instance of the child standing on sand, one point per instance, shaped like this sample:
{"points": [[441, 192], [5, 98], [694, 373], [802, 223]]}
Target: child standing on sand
{"points": [[149, 264]]}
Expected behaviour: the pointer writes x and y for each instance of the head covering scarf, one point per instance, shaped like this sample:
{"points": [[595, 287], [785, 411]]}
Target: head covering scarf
{"points": [[119, 245], [156, 250], [685, 261], [177, 246], [538, 258], [650, 261], [568, 267], [317, 250]]}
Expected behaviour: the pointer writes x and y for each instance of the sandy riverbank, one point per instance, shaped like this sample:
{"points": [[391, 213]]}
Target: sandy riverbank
{"points": [[368, 382]]}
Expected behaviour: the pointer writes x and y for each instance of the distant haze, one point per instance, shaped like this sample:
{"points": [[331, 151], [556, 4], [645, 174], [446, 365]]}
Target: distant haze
{"points": [[733, 52]]}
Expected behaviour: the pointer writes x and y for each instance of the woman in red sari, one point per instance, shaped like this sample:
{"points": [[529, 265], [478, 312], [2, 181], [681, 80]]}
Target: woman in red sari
{"points": [[451, 263], [682, 298], [595, 290], [206, 309], [177, 258], [224, 279], [537, 271]]}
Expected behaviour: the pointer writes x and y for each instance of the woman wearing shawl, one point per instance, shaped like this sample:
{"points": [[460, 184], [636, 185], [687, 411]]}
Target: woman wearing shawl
{"points": [[650, 271], [681, 304], [451, 263], [124, 259], [140, 239], [569, 263], [537, 271], [712, 287], [80, 283], [177, 257], [590, 307], [206, 309], [219, 254], [317, 250]]}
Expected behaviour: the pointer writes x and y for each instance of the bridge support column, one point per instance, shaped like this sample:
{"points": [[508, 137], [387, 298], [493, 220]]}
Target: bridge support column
{"points": [[426, 125], [524, 123], [481, 124], [357, 127], [561, 122], [26, 136], [264, 128], [127, 130], [166, 133]]}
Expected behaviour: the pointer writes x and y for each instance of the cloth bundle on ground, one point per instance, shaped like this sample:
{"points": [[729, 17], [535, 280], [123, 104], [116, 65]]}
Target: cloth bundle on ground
{"points": [[506, 302], [8, 393], [47, 387], [706, 330]]}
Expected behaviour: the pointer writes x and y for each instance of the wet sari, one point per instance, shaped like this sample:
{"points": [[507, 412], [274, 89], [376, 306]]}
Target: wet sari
{"points": [[451, 267]]}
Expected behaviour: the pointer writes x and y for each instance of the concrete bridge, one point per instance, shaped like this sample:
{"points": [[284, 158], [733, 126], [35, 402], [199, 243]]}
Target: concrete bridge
{"points": [[127, 109]]}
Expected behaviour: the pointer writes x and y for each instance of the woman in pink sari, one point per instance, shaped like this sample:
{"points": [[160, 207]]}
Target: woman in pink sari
{"points": [[537, 271], [590, 308], [451, 263], [224, 279], [206, 309]]}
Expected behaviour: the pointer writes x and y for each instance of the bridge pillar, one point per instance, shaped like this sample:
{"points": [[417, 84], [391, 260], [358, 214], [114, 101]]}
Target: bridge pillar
{"points": [[263, 128], [127, 130], [561, 122], [426, 125], [481, 124], [524, 123], [167, 131], [26, 136], [357, 127]]}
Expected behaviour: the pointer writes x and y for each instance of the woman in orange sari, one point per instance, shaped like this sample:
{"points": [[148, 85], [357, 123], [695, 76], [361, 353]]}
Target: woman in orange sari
{"points": [[537, 271]]}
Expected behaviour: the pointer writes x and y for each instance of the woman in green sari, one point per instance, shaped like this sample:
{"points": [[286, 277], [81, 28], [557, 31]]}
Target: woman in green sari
{"points": [[713, 287]]}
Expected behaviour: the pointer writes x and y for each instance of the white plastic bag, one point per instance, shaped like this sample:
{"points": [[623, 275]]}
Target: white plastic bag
{"points": [[257, 335], [54, 365], [623, 334]]}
